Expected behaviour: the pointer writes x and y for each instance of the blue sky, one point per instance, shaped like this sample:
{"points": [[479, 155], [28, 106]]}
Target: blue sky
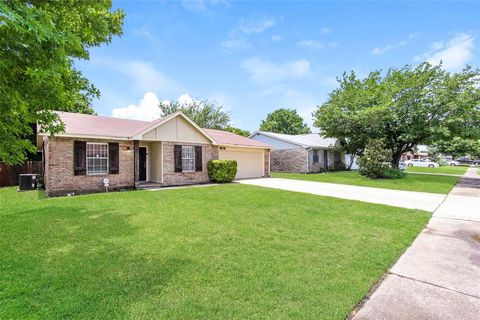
{"points": [[254, 57]]}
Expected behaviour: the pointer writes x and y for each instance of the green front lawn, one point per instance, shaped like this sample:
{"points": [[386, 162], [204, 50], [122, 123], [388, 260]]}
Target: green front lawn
{"points": [[221, 252], [413, 182], [458, 170]]}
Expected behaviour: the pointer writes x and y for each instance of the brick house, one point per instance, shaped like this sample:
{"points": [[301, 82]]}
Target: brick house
{"points": [[420, 152], [305, 153], [168, 151]]}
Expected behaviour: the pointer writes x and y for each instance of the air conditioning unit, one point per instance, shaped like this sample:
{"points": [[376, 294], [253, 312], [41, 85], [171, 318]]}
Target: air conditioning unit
{"points": [[27, 182]]}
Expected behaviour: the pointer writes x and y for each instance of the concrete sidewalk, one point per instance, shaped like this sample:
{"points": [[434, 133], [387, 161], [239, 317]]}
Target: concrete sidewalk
{"points": [[397, 198], [438, 277]]}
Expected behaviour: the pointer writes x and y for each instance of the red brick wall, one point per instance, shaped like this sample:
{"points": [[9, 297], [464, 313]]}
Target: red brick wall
{"points": [[59, 177], [60, 180], [289, 160], [170, 177]]}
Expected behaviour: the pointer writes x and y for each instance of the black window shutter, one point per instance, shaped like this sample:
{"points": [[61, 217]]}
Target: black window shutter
{"points": [[79, 158], [113, 158], [177, 153], [198, 158]]}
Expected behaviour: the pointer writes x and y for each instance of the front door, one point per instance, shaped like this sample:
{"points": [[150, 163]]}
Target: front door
{"points": [[142, 164]]}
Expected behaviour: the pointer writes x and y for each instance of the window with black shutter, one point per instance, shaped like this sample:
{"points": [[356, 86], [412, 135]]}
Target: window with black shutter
{"points": [[113, 158], [97, 158], [79, 158], [198, 158], [188, 159], [177, 154]]}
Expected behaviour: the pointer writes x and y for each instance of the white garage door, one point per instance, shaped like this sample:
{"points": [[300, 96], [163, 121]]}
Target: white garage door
{"points": [[249, 163]]}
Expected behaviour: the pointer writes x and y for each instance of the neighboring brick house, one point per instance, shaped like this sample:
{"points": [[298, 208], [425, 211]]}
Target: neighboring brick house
{"points": [[303, 153], [420, 152], [169, 151]]}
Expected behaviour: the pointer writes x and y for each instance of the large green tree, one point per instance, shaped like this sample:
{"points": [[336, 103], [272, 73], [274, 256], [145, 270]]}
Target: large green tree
{"points": [[207, 114], [404, 107], [39, 43], [458, 147], [286, 121]]}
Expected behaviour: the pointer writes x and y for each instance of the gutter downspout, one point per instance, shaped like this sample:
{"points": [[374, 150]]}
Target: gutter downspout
{"points": [[308, 150]]}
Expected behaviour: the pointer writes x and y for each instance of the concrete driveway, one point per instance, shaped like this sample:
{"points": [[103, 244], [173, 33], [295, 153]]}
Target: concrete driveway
{"points": [[397, 198], [438, 277]]}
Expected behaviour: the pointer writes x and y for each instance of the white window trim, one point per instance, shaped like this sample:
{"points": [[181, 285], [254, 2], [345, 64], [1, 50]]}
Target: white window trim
{"points": [[193, 158], [87, 157]]}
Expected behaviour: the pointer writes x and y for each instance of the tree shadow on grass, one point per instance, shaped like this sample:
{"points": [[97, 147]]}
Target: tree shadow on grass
{"points": [[77, 262]]}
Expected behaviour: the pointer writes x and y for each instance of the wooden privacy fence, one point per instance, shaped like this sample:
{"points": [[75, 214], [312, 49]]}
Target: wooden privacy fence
{"points": [[9, 174]]}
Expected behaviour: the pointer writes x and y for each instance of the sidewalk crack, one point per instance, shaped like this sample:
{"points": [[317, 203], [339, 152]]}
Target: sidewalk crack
{"points": [[435, 285]]}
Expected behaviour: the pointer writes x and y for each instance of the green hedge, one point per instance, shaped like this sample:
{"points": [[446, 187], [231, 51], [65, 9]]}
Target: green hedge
{"points": [[222, 170]]}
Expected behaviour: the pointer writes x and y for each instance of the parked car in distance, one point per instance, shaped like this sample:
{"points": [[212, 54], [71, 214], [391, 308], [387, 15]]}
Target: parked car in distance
{"points": [[476, 163], [465, 160], [450, 162], [421, 163]]}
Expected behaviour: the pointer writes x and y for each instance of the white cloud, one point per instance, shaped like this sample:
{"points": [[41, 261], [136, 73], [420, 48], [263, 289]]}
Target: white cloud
{"points": [[310, 44], [238, 36], [455, 54], [263, 71], [147, 77], [143, 75], [202, 6], [185, 99], [277, 38], [251, 25], [391, 46], [382, 50], [236, 43], [315, 44], [146, 109]]}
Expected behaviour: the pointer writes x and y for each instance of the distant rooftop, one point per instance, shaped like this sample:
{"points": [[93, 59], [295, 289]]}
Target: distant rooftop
{"points": [[309, 140]]}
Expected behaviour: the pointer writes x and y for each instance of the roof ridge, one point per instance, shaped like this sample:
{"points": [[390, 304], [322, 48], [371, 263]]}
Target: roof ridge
{"points": [[304, 140]]}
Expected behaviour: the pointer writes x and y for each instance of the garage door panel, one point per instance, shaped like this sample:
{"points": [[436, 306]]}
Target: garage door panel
{"points": [[249, 163]]}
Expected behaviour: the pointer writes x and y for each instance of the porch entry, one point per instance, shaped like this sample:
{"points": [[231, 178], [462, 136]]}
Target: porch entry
{"points": [[142, 164]]}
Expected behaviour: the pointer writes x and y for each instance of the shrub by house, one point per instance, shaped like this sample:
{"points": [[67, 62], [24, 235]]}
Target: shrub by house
{"points": [[222, 171]]}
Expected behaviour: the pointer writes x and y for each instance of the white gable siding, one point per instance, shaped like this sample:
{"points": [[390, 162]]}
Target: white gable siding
{"points": [[176, 129], [275, 143]]}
